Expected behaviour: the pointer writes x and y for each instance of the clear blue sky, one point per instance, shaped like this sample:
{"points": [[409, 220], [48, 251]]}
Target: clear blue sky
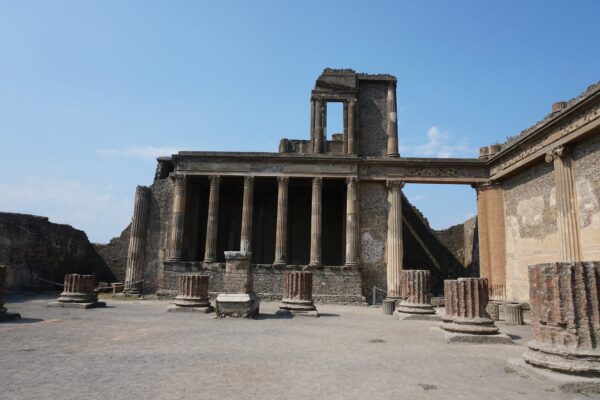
{"points": [[92, 91]]}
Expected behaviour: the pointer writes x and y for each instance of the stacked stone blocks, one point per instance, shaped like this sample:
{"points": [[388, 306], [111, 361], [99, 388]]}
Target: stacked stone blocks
{"points": [[238, 299]]}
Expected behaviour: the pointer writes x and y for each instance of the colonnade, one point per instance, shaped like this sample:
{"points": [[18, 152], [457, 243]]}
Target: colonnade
{"points": [[281, 253]]}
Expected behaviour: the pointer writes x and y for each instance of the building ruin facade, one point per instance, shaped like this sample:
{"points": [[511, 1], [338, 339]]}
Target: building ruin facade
{"points": [[335, 206]]}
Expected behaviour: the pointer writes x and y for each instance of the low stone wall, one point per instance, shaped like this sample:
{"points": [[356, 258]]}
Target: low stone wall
{"points": [[330, 284]]}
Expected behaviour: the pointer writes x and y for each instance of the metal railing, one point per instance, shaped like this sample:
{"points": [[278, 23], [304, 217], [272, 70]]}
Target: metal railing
{"points": [[374, 291]]}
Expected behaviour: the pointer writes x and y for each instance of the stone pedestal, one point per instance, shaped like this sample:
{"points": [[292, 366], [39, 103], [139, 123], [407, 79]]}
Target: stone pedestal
{"points": [[297, 294], [238, 299], [389, 305], [416, 293], [193, 294], [466, 319], [493, 310], [565, 318], [79, 292], [4, 314], [513, 314]]}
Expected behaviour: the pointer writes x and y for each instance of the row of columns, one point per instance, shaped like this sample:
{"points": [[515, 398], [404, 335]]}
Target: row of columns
{"points": [[318, 126], [352, 218]]}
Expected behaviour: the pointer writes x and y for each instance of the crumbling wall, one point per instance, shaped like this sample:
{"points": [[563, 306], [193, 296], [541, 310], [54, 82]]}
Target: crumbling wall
{"points": [[372, 118], [32, 248], [462, 242], [531, 226], [586, 169], [114, 253]]}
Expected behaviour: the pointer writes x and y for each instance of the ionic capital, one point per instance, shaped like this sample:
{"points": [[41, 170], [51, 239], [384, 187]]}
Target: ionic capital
{"points": [[283, 181], [351, 180], [317, 182], [215, 180], [394, 184], [178, 180], [481, 186], [248, 181], [557, 152]]}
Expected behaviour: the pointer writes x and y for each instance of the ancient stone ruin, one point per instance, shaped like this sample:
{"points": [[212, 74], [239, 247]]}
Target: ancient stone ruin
{"points": [[193, 294], [238, 298], [297, 294], [79, 292], [416, 294]]}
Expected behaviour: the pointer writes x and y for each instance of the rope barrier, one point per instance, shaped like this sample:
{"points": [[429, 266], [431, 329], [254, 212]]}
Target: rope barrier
{"points": [[112, 284], [46, 280]]}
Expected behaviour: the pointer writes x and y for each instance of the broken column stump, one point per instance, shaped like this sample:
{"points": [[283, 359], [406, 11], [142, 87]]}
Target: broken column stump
{"points": [[4, 314], [238, 299], [79, 292], [513, 314], [416, 295], [466, 319], [297, 295], [192, 295], [389, 305]]}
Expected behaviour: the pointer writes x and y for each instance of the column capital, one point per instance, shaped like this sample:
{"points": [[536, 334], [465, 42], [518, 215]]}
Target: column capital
{"points": [[557, 152], [351, 180], [317, 181], [177, 179], [283, 180], [394, 184], [248, 180], [481, 186], [214, 179]]}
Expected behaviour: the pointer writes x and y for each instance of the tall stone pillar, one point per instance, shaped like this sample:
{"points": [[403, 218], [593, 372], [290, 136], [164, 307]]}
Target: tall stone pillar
{"points": [[392, 124], [210, 253], [318, 128], [247, 208], [351, 145], [395, 249], [4, 315], [352, 222], [297, 294], [78, 292], [315, 222], [416, 293], [491, 236], [282, 214], [312, 125], [134, 272], [565, 317], [566, 201], [193, 294], [178, 218]]}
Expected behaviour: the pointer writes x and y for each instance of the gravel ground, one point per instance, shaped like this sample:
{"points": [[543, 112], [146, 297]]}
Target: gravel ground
{"points": [[136, 350]]}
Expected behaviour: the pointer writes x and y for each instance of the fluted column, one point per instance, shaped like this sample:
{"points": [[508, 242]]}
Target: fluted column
{"points": [[392, 122], [282, 212], [565, 317], [178, 217], [318, 128], [312, 125], [468, 298], [134, 271], [351, 145], [395, 249], [210, 253], [193, 292], [79, 289], [352, 221], [416, 292], [315, 222], [297, 292], [247, 207], [566, 201]]}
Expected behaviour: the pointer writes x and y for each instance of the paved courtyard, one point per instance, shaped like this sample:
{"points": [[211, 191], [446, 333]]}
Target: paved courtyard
{"points": [[136, 350]]}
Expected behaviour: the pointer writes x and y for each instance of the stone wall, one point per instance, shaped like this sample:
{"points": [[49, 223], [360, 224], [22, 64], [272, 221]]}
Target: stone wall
{"points": [[462, 242], [372, 118], [531, 226], [114, 253], [586, 169], [32, 247]]}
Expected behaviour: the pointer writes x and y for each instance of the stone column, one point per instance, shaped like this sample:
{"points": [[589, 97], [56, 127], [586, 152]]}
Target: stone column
{"points": [[392, 122], [395, 249], [491, 236], [134, 272], [466, 300], [297, 293], [352, 222], [210, 253], [282, 213], [247, 207], [4, 315], [351, 146], [193, 294], [416, 292], [513, 314], [318, 128], [315, 222], [238, 299], [78, 292], [312, 125], [178, 218], [566, 201], [565, 317]]}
